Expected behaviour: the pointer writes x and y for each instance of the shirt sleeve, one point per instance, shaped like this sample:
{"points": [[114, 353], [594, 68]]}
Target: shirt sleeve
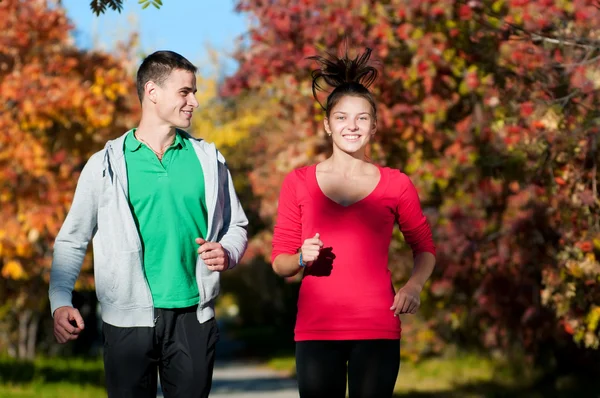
{"points": [[287, 234], [411, 220]]}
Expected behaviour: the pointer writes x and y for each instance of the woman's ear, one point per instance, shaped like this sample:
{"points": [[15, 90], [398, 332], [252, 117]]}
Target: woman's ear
{"points": [[326, 125]]}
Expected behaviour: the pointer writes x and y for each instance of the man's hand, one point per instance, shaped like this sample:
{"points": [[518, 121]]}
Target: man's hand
{"points": [[64, 320], [407, 300], [213, 255], [311, 248]]}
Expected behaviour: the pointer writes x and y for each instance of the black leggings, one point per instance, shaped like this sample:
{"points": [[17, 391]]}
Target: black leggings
{"points": [[372, 367]]}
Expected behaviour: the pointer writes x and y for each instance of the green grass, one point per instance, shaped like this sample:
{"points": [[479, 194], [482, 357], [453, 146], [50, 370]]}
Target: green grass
{"points": [[471, 376], [52, 390], [443, 374], [460, 376], [285, 364], [431, 374], [52, 378]]}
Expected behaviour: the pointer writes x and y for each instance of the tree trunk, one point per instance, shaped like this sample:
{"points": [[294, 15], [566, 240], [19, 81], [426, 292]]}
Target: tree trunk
{"points": [[23, 317], [32, 330], [10, 347]]}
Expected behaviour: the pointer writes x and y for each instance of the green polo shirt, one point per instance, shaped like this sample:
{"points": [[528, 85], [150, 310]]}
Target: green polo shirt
{"points": [[169, 207]]}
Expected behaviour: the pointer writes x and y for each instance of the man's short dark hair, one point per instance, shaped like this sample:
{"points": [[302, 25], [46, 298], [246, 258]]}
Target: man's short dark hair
{"points": [[158, 66]]}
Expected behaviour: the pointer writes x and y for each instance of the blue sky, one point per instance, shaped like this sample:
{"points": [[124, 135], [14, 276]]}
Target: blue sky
{"points": [[185, 26]]}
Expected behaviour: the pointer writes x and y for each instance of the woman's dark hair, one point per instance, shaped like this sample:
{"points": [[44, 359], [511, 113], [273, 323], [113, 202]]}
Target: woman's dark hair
{"points": [[347, 77]]}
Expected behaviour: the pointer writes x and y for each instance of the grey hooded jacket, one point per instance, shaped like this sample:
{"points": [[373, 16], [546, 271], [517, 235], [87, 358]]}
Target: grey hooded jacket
{"points": [[100, 210]]}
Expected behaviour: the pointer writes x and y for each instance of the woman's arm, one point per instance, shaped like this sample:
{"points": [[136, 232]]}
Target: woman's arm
{"points": [[289, 264], [417, 233]]}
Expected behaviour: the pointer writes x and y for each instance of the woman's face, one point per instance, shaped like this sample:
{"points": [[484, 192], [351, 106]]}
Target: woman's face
{"points": [[351, 124]]}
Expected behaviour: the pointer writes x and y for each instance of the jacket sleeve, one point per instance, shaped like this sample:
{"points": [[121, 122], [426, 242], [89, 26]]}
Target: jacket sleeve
{"points": [[234, 235], [75, 234]]}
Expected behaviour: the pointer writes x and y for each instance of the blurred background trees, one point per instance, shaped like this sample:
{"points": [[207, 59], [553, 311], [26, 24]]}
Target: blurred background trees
{"points": [[491, 107], [59, 105]]}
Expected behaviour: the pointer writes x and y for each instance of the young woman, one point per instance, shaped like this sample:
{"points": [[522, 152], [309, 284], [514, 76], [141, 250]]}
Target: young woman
{"points": [[334, 223]]}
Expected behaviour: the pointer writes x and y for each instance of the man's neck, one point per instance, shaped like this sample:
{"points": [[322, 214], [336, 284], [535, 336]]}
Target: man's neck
{"points": [[155, 135]]}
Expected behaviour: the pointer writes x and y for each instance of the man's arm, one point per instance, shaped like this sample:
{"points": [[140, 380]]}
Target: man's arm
{"points": [[70, 248]]}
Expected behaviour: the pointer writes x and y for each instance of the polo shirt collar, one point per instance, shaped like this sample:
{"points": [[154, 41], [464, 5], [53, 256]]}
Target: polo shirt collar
{"points": [[179, 141], [132, 144]]}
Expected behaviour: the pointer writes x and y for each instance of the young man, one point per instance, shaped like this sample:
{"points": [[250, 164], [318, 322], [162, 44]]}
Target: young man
{"points": [[165, 221]]}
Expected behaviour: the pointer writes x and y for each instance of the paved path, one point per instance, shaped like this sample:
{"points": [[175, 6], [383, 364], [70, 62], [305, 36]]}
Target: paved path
{"points": [[250, 380]]}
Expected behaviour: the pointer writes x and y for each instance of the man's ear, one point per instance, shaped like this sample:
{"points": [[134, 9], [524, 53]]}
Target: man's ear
{"points": [[150, 91]]}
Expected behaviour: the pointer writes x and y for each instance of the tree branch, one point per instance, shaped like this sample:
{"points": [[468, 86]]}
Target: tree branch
{"points": [[99, 6], [541, 37]]}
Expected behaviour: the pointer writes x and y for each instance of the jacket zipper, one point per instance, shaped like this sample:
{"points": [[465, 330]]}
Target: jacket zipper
{"points": [[132, 222]]}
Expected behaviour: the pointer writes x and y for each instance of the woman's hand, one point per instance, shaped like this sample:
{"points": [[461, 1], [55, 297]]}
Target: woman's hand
{"points": [[310, 249], [407, 300]]}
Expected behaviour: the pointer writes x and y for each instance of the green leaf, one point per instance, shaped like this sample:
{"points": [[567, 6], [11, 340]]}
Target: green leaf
{"points": [[99, 6], [494, 22], [449, 54], [417, 34], [497, 6], [463, 89]]}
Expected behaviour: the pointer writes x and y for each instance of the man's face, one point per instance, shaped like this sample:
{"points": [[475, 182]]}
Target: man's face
{"points": [[176, 98]]}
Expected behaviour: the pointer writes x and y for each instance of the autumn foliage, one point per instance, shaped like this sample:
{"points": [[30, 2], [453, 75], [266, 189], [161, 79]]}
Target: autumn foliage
{"points": [[59, 105], [491, 107]]}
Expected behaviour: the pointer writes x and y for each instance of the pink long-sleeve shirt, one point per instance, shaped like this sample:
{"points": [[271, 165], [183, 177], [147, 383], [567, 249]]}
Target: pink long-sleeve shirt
{"points": [[346, 294]]}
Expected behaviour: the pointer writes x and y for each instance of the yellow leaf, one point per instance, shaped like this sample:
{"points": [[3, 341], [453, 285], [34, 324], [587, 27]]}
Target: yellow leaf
{"points": [[364, 10], [22, 249], [518, 18], [497, 6], [13, 270], [449, 54], [417, 34]]}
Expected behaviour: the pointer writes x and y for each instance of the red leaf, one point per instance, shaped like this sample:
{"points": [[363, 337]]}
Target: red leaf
{"points": [[538, 124], [526, 109], [437, 11], [585, 246], [403, 31], [568, 328], [560, 181], [465, 13], [472, 80]]}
